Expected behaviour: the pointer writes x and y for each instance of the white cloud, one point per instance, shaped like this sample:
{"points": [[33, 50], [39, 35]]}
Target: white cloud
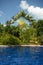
{"points": [[1, 13], [36, 12], [24, 5]]}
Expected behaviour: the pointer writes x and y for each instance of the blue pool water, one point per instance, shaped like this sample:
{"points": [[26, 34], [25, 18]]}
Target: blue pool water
{"points": [[21, 56]]}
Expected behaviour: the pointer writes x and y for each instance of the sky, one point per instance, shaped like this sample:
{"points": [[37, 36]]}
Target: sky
{"points": [[9, 8]]}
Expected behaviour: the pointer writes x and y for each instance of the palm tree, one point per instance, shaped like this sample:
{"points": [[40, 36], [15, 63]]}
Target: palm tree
{"points": [[22, 14], [8, 23]]}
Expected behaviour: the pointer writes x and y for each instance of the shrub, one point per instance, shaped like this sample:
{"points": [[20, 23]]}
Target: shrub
{"points": [[8, 39], [40, 39]]}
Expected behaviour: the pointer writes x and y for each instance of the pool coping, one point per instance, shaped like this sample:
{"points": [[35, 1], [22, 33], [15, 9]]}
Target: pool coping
{"points": [[21, 45]]}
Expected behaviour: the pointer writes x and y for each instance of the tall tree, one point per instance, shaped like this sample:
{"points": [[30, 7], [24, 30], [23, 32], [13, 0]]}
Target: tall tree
{"points": [[1, 28], [40, 30], [21, 14]]}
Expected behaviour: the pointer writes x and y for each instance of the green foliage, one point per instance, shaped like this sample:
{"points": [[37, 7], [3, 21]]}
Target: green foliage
{"points": [[7, 39], [40, 31], [40, 28], [1, 29], [22, 33], [22, 14]]}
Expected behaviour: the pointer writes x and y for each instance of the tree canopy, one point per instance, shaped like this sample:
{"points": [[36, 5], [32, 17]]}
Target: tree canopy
{"points": [[22, 33]]}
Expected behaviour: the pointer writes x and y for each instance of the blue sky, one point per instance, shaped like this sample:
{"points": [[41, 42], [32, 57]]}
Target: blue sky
{"points": [[9, 8]]}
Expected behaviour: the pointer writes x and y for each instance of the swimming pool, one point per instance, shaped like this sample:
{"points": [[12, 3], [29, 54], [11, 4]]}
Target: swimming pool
{"points": [[21, 55]]}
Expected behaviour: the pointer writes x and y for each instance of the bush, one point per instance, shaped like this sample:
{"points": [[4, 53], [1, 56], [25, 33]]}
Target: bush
{"points": [[40, 39], [9, 40]]}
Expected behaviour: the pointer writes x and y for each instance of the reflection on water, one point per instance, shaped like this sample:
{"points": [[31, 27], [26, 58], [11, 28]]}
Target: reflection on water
{"points": [[21, 56]]}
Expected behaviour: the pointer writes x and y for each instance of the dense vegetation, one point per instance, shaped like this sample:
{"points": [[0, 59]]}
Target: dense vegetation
{"points": [[21, 33]]}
